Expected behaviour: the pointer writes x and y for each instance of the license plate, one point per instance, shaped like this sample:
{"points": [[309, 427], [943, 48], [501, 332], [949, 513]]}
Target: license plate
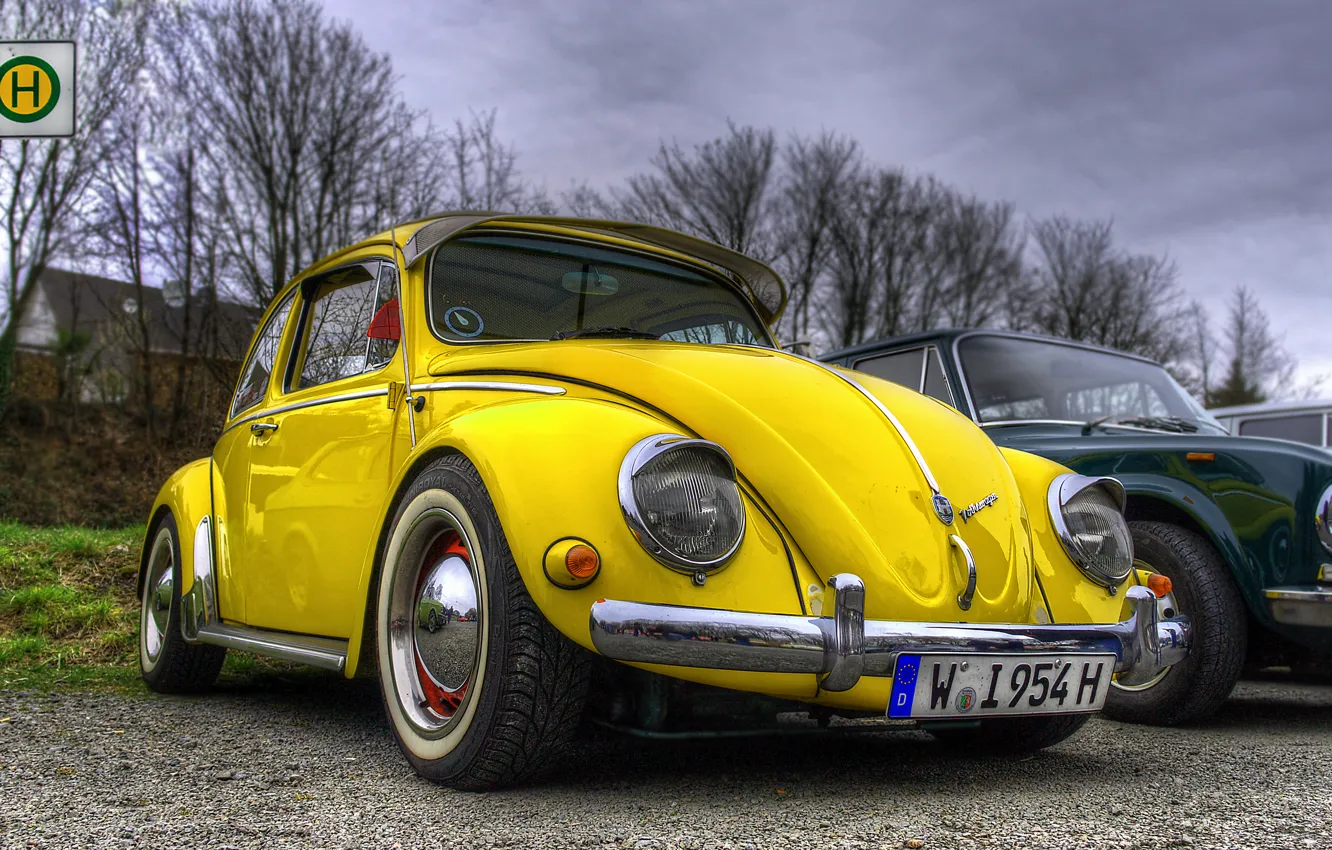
{"points": [[970, 685]]}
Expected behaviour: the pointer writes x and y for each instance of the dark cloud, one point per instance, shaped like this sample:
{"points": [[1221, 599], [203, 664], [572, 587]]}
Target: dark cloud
{"points": [[1203, 127]]}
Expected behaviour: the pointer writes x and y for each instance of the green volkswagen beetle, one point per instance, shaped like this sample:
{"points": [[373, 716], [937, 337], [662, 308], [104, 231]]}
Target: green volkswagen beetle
{"points": [[1240, 525]]}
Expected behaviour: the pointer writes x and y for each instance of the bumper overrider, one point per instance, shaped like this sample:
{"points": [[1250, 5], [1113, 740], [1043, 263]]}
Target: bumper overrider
{"points": [[844, 647]]}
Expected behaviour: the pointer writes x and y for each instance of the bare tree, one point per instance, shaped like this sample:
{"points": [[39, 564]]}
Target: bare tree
{"points": [[1084, 288], [982, 247], [42, 180], [721, 190], [816, 174], [299, 108], [117, 219]]}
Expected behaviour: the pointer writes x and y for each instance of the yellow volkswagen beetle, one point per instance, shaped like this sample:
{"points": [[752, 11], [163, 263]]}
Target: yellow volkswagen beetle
{"points": [[529, 469]]}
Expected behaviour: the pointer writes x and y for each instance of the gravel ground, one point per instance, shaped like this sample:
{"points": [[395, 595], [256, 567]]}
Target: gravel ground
{"points": [[315, 766]]}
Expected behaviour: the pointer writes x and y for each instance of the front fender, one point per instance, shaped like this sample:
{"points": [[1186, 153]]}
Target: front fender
{"points": [[550, 465], [1071, 596], [1209, 520], [187, 495]]}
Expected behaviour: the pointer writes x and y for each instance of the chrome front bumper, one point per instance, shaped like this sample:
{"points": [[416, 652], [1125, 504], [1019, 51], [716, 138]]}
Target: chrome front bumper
{"points": [[842, 648]]}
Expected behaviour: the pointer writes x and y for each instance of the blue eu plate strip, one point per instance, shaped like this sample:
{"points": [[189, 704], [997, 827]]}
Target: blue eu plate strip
{"points": [[904, 685]]}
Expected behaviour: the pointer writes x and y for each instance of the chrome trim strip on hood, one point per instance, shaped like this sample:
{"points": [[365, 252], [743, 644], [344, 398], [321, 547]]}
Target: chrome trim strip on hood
{"points": [[893, 420]]}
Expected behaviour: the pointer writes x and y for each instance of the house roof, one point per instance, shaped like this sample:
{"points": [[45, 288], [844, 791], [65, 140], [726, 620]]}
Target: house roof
{"points": [[90, 304]]}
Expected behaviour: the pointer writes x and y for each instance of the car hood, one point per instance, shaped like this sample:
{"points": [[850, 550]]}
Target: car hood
{"points": [[824, 459]]}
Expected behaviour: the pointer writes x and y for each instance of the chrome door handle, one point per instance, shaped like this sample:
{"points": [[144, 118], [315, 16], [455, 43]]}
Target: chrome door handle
{"points": [[964, 598], [261, 427]]}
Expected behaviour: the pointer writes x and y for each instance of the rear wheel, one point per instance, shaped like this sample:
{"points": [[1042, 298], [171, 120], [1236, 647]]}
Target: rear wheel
{"points": [[1193, 689], [1011, 735], [168, 664], [492, 694]]}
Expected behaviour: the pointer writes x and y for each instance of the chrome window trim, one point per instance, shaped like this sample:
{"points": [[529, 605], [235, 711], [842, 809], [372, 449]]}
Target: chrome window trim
{"points": [[951, 401], [497, 386], [484, 230], [1137, 428], [635, 459], [1062, 490], [312, 402]]}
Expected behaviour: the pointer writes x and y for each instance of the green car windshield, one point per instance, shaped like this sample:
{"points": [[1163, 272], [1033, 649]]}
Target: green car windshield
{"points": [[1015, 380], [502, 287]]}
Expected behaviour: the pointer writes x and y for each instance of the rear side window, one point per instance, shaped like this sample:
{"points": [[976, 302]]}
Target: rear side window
{"points": [[254, 377], [900, 367], [1304, 428], [919, 369]]}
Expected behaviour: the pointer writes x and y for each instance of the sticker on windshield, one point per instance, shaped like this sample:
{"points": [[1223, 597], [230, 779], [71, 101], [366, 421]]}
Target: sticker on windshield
{"points": [[464, 321]]}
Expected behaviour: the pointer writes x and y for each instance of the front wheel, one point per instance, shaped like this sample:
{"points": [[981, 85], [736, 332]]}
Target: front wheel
{"points": [[1193, 689], [168, 664], [492, 694], [1011, 735]]}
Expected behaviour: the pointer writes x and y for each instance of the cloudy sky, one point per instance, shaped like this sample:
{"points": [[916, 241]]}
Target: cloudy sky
{"points": [[1204, 128]]}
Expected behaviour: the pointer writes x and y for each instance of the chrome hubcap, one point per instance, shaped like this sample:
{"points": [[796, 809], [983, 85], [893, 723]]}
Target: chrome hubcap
{"points": [[158, 586], [435, 622]]}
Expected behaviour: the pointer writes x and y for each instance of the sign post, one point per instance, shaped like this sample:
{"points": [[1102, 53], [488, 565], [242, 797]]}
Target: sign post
{"points": [[36, 88]]}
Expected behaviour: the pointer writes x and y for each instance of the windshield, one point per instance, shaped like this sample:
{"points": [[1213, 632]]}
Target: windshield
{"points": [[1021, 379], [496, 287]]}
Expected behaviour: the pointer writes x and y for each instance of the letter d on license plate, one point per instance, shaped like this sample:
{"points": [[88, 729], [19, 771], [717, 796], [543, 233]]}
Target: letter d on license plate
{"points": [[972, 684]]}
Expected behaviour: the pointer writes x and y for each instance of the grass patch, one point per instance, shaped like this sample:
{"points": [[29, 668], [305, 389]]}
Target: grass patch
{"points": [[68, 612], [69, 616]]}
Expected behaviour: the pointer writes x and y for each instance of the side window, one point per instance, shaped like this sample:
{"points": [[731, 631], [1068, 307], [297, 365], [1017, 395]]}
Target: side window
{"points": [[936, 381], [900, 367], [254, 377], [386, 321], [1304, 428], [335, 342]]}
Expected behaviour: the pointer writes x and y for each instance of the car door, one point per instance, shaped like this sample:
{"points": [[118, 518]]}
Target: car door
{"points": [[241, 437], [320, 472]]}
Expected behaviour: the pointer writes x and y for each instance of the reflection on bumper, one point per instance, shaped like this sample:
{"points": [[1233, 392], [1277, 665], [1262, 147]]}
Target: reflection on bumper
{"points": [[1307, 605], [842, 648]]}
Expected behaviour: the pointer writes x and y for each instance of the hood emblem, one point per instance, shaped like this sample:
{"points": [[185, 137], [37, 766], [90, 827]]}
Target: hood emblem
{"points": [[943, 509], [976, 507]]}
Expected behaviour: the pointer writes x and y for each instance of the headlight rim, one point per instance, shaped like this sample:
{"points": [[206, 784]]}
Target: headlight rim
{"points": [[1062, 490], [1323, 519], [646, 450]]}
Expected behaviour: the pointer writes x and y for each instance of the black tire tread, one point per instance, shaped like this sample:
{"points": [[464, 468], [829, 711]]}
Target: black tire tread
{"points": [[182, 668], [1220, 633], [543, 676]]}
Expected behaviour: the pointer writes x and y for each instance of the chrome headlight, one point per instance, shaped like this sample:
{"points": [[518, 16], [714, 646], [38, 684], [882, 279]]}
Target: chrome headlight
{"points": [[1088, 516], [680, 497], [1323, 519]]}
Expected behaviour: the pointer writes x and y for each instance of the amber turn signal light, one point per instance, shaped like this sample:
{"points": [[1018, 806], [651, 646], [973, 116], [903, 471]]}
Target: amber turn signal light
{"points": [[582, 562], [571, 563], [1202, 456], [1159, 584]]}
